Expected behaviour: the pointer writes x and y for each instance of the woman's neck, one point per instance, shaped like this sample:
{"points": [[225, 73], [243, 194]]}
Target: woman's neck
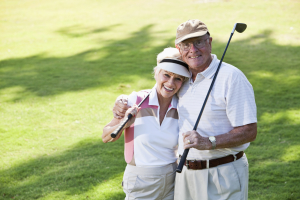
{"points": [[163, 102], [164, 105]]}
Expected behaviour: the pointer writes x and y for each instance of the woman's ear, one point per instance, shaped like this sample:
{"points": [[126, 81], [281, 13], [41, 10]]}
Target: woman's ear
{"points": [[155, 73]]}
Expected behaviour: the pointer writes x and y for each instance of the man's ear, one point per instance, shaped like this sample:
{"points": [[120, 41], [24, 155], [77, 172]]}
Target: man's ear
{"points": [[210, 40], [177, 47]]}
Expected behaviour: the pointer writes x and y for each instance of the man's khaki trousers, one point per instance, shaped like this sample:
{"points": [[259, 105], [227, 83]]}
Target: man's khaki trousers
{"points": [[228, 181]]}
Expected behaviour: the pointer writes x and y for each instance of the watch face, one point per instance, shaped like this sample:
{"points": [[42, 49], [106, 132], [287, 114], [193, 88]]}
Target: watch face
{"points": [[212, 139]]}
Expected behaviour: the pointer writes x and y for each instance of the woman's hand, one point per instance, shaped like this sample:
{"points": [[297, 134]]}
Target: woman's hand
{"points": [[115, 123], [133, 111]]}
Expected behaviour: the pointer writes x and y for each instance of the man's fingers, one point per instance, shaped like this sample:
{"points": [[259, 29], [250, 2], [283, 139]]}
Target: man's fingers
{"points": [[120, 109], [120, 114], [188, 141], [121, 106], [124, 101], [117, 113], [117, 116], [187, 134], [188, 146]]}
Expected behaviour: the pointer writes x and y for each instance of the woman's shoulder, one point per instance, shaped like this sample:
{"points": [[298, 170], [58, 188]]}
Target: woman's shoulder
{"points": [[143, 93], [136, 97]]}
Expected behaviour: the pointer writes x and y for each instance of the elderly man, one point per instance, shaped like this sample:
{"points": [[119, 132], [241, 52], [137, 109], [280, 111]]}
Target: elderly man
{"points": [[216, 166]]}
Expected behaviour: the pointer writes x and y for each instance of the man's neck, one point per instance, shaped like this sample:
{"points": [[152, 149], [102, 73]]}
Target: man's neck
{"points": [[201, 68]]}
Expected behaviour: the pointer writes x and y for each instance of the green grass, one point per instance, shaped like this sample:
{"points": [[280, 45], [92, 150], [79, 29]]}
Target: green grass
{"points": [[63, 63]]}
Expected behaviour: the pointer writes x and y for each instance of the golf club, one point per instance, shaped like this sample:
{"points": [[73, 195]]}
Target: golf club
{"points": [[118, 130], [239, 27]]}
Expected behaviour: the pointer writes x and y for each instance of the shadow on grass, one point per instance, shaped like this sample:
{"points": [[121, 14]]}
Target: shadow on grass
{"points": [[272, 69], [274, 160], [79, 31], [114, 63], [82, 168]]}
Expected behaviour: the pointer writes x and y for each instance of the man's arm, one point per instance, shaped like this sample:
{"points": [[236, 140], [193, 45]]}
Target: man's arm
{"points": [[237, 136]]}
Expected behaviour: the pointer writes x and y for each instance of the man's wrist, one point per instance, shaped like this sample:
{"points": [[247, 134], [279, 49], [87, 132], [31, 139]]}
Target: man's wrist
{"points": [[213, 142], [209, 145]]}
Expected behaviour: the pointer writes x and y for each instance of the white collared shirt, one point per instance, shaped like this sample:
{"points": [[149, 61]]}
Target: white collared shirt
{"points": [[154, 144], [231, 104]]}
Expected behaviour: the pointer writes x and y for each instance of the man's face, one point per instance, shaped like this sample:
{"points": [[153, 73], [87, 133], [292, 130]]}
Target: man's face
{"points": [[198, 59]]}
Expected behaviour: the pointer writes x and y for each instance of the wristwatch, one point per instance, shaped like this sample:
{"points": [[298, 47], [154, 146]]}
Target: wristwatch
{"points": [[212, 139]]}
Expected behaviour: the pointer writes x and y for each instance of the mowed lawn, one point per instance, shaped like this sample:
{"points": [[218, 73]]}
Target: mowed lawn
{"points": [[63, 63]]}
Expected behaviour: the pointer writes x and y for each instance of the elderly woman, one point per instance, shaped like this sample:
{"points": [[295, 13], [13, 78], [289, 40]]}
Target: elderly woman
{"points": [[151, 136]]}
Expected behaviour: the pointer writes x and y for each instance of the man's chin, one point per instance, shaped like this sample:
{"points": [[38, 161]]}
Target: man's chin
{"points": [[195, 66]]}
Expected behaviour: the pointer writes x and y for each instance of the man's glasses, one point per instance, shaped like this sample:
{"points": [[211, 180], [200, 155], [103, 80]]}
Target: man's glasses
{"points": [[197, 43]]}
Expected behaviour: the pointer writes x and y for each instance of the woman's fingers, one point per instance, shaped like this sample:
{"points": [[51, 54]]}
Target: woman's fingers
{"points": [[133, 111]]}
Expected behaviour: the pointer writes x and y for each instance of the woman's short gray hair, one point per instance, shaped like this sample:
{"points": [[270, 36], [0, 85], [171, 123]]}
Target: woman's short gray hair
{"points": [[169, 52]]}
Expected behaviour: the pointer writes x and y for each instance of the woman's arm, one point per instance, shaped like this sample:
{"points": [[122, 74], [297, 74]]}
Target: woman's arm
{"points": [[109, 128], [115, 123]]}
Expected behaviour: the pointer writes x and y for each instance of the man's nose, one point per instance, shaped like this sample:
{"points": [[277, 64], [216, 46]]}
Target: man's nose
{"points": [[193, 48]]}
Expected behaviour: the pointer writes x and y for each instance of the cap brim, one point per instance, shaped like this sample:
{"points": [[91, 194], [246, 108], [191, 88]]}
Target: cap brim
{"points": [[175, 68], [191, 35]]}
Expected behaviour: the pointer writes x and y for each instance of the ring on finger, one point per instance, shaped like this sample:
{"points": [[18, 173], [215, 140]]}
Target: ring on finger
{"points": [[189, 141]]}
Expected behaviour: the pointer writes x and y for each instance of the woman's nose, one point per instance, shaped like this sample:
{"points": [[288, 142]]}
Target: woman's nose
{"points": [[171, 80]]}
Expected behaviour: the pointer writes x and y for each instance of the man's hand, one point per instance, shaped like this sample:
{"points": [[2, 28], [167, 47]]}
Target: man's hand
{"points": [[192, 139], [237, 136], [120, 106]]}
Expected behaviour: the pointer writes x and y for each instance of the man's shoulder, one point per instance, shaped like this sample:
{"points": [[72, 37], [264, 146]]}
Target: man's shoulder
{"points": [[229, 71]]}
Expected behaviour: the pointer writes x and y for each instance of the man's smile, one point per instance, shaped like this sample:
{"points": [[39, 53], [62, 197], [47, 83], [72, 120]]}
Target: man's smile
{"points": [[195, 57]]}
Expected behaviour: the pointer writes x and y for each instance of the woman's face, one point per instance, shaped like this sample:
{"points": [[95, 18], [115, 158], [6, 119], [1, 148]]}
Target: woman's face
{"points": [[168, 83]]}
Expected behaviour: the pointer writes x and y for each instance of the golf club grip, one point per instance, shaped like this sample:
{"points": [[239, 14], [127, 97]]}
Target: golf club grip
{"points": [[181, 163], [118, 130]]}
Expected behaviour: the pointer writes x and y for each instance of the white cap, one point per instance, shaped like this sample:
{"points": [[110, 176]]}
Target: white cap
{"points": [[175, 66]]}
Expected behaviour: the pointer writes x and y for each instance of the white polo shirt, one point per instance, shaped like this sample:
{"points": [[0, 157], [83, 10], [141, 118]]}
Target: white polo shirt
{"points": [[231, 104], [154, 144]]}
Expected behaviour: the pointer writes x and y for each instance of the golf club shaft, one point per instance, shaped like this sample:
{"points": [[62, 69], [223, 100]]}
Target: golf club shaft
{"points": [[186, 151], [118, 130]]}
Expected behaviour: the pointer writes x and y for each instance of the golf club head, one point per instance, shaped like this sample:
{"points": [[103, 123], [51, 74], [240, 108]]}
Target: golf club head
{"points": [[240, 27]]}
